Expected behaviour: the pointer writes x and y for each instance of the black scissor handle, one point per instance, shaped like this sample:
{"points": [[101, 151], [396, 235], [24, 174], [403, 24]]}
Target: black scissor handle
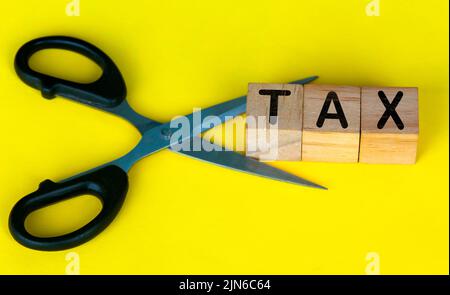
{"points": [[109, 184], [106, 92]]}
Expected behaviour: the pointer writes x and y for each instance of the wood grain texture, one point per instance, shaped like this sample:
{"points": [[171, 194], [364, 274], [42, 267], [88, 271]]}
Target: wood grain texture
{"points": [[331, 142], [390, 144], [330, 146], [285, 145]]}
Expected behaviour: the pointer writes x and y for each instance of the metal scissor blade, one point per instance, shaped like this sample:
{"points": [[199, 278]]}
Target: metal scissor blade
{"points": [[159, 137], [163, 135], [227, 110], [305, 80], [224, 111], [229, 159]]}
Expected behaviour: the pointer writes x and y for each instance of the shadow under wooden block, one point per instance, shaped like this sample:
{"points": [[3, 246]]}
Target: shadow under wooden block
{"points": [[274, 121], [331, 123], [389, 125]]}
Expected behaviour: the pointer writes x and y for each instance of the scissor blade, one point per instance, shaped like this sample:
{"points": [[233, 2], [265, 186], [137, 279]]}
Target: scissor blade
{"points": [[233, 160], [227, 110], [305, 80], [163, 135], [223, 111], [160, 137]]}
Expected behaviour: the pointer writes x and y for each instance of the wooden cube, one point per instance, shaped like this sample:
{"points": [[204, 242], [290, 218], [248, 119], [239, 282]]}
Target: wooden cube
{"points": [[331, 124], [274, 121], [389, 125]]}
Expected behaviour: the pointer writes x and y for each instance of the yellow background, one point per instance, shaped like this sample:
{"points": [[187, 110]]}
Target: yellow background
{"points": [[182, 216]]}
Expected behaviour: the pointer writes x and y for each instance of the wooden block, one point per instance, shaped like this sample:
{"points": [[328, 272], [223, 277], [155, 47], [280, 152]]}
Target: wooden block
{"points": [[389, 125], [274, 121], [331, 123]]}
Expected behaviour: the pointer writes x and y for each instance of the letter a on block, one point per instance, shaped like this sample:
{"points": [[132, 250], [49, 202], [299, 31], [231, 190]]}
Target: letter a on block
{"points": [[331, 123], [389, 125], [274, 121]]}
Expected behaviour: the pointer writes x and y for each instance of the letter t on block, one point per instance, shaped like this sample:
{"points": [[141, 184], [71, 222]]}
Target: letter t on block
{"points": [[274, 121], [389, 125]]}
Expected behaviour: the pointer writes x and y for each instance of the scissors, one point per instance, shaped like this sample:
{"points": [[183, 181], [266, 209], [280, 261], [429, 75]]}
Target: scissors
{"points": [[109, 182]]}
